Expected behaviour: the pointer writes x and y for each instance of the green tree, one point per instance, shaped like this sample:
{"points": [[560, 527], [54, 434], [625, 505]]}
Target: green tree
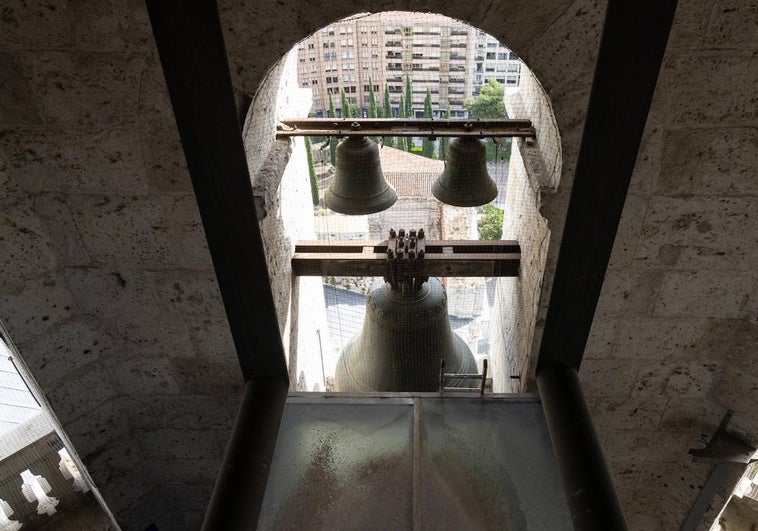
{"points": [[401, 142], [445, 141], [344, 104], [489, 104], [408, 97], [332, 140], [312, 172], [387, 113], [490, 224], [427, 145]]}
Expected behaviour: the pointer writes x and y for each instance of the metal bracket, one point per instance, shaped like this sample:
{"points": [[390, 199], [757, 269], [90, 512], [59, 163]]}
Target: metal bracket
{"points": [[724, 447], [445, 376]]}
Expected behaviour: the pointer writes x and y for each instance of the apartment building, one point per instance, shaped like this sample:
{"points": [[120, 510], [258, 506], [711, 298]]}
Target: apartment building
{"points": [[450, 59]]}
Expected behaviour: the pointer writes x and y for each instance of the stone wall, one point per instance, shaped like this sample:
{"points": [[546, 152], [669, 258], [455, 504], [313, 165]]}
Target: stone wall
{"points": [[105, 269]]}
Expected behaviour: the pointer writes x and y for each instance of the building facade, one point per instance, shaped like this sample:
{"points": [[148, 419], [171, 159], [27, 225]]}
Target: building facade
{"points": [[449, 58]]}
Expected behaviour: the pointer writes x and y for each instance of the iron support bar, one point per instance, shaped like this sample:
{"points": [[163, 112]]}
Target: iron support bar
{"points": [[629, 59], [441, 258], [241, 485], [402, 127], [589, 490], [191, 48]]}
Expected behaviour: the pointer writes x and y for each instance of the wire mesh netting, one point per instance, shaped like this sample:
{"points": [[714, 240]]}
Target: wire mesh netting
{"points": [[343, 332]]}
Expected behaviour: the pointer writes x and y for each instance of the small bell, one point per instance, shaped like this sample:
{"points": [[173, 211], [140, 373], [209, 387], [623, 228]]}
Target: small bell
{"points": [[359, 186], [465, 181]]}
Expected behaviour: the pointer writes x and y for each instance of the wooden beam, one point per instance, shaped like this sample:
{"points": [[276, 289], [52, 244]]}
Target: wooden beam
{"points": [[442, 258], [629, 59]]}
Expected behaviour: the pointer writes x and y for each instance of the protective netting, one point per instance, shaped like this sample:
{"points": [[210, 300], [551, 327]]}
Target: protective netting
{"points": [[40, 481], [401, 65]]}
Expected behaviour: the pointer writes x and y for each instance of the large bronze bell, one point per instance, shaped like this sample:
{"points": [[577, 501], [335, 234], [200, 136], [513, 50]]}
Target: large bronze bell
{"points": [[465, 181], [359, 186], [405, 333]]}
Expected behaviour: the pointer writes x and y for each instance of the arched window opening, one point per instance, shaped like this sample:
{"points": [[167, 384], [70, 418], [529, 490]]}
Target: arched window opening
{"points": [[404, 66]]}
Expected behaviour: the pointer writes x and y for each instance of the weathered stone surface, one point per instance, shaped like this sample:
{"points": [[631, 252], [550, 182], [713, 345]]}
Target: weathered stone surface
{"points": [[657, 446], [17, 103], [145, 376], [657, 338], [607, 377], [37, 307], [692, 78], [707, 294], [180, 444], [25, 250], [629, 292], [69, 399], [680, 378], [709, 162], [195, 411], [627, 413], [733, 25]]}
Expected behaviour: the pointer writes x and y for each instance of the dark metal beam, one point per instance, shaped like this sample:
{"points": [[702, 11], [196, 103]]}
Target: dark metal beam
{"points": [[589, 490], [191, 48], [403, 127], [631, 50]]}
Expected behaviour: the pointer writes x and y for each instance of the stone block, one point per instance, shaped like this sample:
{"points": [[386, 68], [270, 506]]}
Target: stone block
{"points": [[711, 87], [700, 233], [25, 250], [212, 338], [87, 89], [601, 339], [191, 293], [66, 348], [647, 167], [120, 472], [567, 49], [194, 412], [187, 496], [734, 339], [98, 428], [18, 106], [36, 307], [658, 338], [165, 165], [730, 294], [701, 415], [627, 413], [68, 399], [127, 231], [629, 293], [197, 376], [100, 27], [186, 232], [114, 295], [607, 377], [624, 473], [145, 376], [64, 236], [156, 335], [74, 161], [656, 446], [179, 444], [690, 25], [709, 162], [732, 25], [628, 233], [203, 471], [181, 520], [680, 378]]}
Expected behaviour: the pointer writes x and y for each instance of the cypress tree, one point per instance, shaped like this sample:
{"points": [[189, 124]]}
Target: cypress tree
{"points": [[387, 112], [408, 98], [332, 140], [427, 146], [312, 172], [345, 104], [402, 142], [373, 111]]}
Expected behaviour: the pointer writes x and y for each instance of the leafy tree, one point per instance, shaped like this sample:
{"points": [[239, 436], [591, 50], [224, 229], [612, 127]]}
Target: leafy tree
{"points": [[312, 172], [490, 224], [489, 104], [332, 140], [427, 146]]}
